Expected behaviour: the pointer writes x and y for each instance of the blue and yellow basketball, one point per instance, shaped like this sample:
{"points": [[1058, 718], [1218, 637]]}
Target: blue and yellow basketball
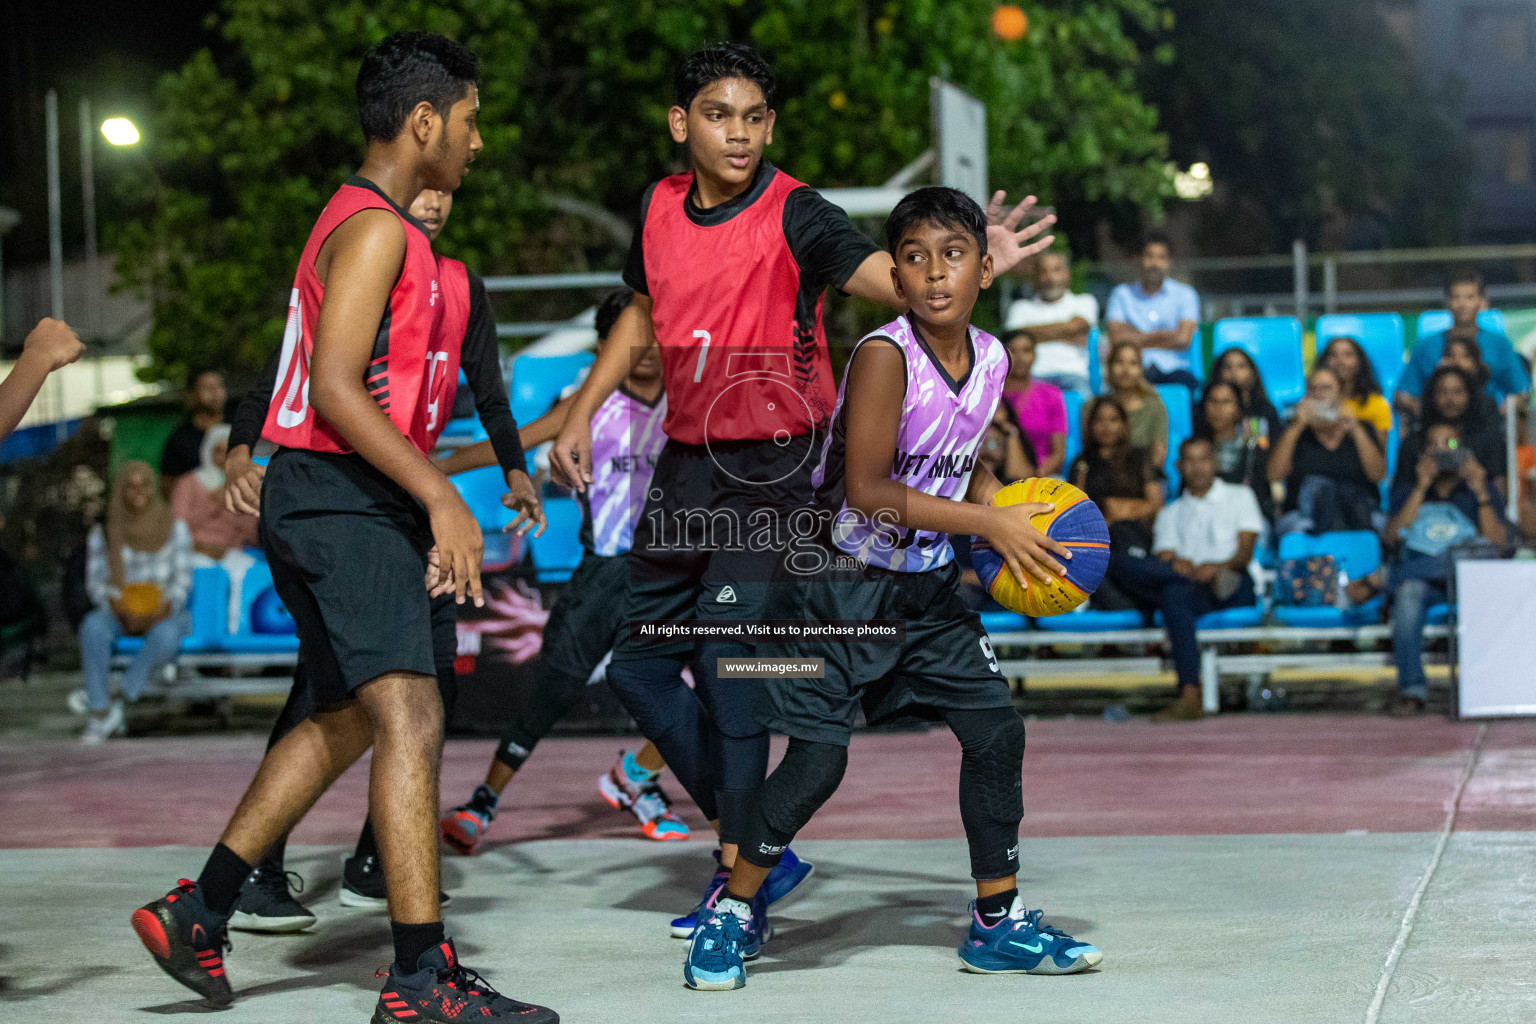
{"points": [[1076, 523]]}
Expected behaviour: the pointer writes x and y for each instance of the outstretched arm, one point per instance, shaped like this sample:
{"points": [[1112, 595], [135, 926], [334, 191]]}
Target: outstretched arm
{"points": [[570, 461], [1006, 242], [50, 346]]}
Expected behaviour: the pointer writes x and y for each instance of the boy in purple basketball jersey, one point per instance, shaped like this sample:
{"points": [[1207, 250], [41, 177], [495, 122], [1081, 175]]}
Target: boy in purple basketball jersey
{"points": [[898, 474]]}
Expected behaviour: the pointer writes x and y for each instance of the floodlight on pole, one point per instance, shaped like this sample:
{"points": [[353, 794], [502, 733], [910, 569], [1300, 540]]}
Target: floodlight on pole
{"points": [[119, 131]]}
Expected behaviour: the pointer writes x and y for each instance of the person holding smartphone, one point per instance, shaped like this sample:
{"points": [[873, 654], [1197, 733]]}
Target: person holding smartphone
{"points": [[1330, 462]]}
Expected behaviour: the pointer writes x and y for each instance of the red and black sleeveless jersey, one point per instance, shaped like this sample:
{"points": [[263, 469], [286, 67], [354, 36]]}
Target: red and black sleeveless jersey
{"points": [[737, 298], [443, 362], [410, 341]]}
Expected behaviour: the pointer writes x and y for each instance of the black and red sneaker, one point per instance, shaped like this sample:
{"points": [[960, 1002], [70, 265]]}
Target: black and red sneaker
{"points": [[187, 940], [442, 990]]}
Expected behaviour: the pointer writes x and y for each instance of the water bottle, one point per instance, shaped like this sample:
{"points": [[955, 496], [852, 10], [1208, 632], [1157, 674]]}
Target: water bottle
{"points": [[1341, 599]]}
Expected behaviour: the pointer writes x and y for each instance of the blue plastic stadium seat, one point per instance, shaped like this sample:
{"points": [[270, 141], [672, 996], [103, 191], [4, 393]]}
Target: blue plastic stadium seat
{"points": [[245, 640], [538, 380], [1181, 424], [464, 430], [557, 553], [1074, 402], [1090, 621], [1095, 365], [1232, 618], [1003, 622], [1380, 334], [208, 601], [1274, 342], [482, 490], [1433, 321], [1356, 552], [1439, 615]]}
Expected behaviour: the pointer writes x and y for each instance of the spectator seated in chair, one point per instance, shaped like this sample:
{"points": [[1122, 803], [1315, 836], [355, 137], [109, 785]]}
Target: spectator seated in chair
{"points": [[1158, 315], [205, 398], [1331, 464], [1236, 367], [138, 572], [1452, 398], [1242, 446], [1465, 296], [1445, 500], [1145, 415], [1359, 393], [1039, 407], [1203, 546], [1060, 321], [220, 537], [1125, 483]]}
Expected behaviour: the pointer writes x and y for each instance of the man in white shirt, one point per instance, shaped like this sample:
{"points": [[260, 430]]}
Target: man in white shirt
{"points": [[1158, 314], [1202, 548], [1060, 322]]}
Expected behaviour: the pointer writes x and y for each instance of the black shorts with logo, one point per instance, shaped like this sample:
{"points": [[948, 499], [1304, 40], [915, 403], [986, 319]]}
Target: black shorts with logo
{"points": [[711, 533], [348, 552], [945, 661], [588, 615]]}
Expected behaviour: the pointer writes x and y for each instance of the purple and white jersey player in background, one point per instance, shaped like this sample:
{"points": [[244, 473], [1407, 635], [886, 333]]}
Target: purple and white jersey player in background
{"points": [[626, 439], [943, 422]]}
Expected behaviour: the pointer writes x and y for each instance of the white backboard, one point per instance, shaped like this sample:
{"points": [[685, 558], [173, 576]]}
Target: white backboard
{"points": [[1495, 644], [960, 136]]}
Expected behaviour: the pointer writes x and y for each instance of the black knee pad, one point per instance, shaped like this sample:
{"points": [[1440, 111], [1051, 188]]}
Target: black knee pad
{"points": [[807, 777], [991, 787]]}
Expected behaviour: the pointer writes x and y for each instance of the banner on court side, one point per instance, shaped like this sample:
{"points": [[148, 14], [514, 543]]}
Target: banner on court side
{"points": [[1495, 644]]}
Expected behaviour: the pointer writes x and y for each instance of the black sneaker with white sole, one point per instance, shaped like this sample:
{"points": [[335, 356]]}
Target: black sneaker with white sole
{"points": [[362, 885], [267, 903]]}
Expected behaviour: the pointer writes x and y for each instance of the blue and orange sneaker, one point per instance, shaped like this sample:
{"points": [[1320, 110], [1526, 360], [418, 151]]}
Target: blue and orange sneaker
{"points": [[781, 881], [628, 787], [1020, 944], [464, 826]]}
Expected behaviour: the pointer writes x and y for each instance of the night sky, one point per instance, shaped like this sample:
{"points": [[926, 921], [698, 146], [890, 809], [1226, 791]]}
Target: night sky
{"points": [[111, 50]]}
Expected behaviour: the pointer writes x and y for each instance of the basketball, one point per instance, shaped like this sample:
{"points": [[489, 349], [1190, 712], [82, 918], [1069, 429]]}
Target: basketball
{"points": [[1076, 523], [1009, 23]]}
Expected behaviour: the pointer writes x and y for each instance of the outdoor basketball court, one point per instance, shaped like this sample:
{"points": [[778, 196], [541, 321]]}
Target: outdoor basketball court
{"points": [[1280, 868]]}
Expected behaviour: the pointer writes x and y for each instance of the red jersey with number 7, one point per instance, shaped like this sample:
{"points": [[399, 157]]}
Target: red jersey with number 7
{"points": [[412, 347], [737, 316]]}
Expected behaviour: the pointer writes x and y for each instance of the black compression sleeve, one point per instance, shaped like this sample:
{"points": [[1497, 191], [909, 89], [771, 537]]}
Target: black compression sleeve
{"points": [[825, 243], [481, 361], [251, 414]]}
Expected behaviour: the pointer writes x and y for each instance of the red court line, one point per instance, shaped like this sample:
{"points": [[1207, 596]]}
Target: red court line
{"points": [[1234, 774]]}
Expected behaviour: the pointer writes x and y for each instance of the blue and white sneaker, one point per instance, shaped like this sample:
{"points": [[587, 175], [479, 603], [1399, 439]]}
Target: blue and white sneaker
{"points": [[721, 945], [1020, 944], [682, 927], [781, 881]]}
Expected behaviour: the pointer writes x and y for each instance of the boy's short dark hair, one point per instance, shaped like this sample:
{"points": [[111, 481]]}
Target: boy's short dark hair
{"points": [[1019, 332], [936, 204], [405, 69], [1155, 236], [703, 68], [195, 374], [608, 310], [1466, 275], [1191, 441]]}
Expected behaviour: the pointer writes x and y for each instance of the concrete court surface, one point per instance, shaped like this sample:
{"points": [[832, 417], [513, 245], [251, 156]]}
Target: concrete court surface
{"points": [[1244, 869]]}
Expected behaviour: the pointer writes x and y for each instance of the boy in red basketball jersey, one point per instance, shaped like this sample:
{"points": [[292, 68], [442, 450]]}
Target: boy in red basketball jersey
{"points": [[350, 507], [729, 264]]}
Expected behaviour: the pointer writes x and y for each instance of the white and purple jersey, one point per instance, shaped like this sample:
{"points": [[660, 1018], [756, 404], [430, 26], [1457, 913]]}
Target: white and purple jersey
{"points": [[626, 439], [943, 422]]}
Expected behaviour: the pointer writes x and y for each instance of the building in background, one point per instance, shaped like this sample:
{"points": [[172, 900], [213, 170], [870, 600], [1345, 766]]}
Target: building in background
{"points": [[1485, 52]]}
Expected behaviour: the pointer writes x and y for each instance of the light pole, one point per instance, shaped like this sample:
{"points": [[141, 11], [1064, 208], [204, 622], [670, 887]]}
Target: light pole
{"points": [[119, 131]]}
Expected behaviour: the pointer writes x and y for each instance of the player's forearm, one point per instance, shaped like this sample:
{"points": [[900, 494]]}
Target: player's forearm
{"points": [[893, 503], [19, 390], [873, 281], [462, 460], [612, 364], [546, 427], [349, 408]]}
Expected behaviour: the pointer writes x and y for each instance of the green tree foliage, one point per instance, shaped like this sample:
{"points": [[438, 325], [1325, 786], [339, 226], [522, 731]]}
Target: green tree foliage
{"points": [[1315, 122], [574, 97]]}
